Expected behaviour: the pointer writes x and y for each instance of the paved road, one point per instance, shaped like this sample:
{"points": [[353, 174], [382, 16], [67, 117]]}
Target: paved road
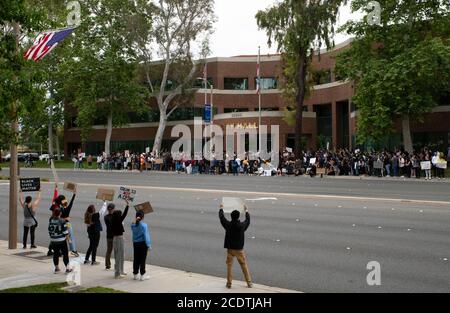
{"points": [[299, 241]]}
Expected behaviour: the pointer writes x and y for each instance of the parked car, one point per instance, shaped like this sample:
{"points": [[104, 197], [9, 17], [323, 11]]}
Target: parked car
{"points": [[44, 157], [20, 157]]}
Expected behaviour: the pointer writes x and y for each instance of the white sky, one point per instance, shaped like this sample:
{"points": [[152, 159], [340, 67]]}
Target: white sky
{"points": [[236, 32]]}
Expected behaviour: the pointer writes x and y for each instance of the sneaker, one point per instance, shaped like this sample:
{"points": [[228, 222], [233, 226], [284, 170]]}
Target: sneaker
{"points": [[33, 247], [74, 253], [250, 285], [228, 286], [107, 268], [119, 276], [69, 270], [145, 277], [95, 263], [124, 274], [86, 261], [57, 270], [24, 247], [136, 277]]}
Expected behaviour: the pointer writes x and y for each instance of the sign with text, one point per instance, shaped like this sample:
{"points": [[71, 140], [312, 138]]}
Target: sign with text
{"points": [[441, 165], [378, 165], [105, 194], [425, 165], [144, 207], [312, 161], [127, 194], [72, 187], [30, 184], [231, 204]]}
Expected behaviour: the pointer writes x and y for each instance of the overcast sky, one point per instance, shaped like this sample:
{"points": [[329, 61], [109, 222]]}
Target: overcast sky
{"points": [[236, 32]]}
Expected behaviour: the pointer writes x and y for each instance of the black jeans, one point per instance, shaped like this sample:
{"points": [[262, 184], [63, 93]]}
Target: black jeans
{"points": [[94, 239], [60, 249], [140, 255], [25, 234]]}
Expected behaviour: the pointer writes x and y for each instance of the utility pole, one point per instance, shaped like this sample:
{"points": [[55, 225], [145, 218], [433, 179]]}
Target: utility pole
{"points": [[13, 166]]}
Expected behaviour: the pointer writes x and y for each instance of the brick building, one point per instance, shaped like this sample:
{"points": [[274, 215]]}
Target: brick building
{"points": [[329, 116]]}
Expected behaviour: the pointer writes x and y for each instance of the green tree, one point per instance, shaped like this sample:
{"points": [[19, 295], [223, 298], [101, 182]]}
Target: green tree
{"points": [[173, 27], [298, 28], [102, 82], [401, 68]]}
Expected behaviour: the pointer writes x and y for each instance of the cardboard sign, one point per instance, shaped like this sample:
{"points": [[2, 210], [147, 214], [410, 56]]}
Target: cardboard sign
{"points": [[442, 165], [378, 165], [144, 207], [107, 194], [72, 187], [231, 204], [425, 165], [55, 175], [127, 194], [30, 184]]}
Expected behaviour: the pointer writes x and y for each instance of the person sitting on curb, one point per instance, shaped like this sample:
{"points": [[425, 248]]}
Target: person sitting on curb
{"points": [[234, 243]]}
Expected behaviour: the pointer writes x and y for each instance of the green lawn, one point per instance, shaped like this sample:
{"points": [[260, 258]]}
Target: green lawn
{"points": [[58, 164], [57, 288]]}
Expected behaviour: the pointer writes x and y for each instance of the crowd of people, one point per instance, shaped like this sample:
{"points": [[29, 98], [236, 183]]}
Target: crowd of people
{"points": [[62, 236], [342, 162]]}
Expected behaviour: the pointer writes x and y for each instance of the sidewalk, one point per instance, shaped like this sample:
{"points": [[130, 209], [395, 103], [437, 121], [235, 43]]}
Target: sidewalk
{"points": [[20, 268]]}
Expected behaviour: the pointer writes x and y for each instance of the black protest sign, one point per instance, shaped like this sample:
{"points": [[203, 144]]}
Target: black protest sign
{"points": [[30, 184]]}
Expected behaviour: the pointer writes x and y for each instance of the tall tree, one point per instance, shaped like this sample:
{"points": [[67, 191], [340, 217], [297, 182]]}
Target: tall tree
{"points": [[401, 67], [102, 83], [298, 28], [173, 27]]}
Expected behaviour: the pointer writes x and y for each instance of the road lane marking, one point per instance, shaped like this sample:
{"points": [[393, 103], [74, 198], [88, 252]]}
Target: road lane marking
{"points": [[274, 194]]}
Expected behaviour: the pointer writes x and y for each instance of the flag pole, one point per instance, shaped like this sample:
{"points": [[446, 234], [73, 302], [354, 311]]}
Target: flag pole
{"points": [[259, 96]]}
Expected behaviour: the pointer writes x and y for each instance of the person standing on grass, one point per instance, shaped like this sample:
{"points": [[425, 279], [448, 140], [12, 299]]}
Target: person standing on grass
{"points": [[234, 243], [94, 227], [29, 221], [141, 243], [118, 243], [59, 234]]}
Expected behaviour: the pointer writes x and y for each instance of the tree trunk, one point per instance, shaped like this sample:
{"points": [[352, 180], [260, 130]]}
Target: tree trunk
{"points": [[58, 150], [299, 110], [406, 129], [160, 132], [108, 135]]}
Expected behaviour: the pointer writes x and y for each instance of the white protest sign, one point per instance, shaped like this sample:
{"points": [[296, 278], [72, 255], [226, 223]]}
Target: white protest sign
{"points": [[425, 165], [289, 150], [231, 204], [312, 161], [441, 165], [127, 194]]}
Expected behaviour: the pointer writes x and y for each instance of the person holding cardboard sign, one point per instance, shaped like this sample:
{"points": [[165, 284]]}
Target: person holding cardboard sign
{"points": [[29, 217], [234, 243]]}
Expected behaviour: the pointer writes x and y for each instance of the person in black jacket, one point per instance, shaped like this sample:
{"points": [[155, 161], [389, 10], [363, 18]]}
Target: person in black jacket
{"points": [[118, 244], [234, 243], [94, 227], [109, 234]]}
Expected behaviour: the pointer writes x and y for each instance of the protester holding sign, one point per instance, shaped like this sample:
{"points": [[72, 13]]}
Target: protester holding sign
{"points": [[234, 243], [65, 208], [94, 227], [107, 217], [29, 221], [118, 243], [141, 244]]}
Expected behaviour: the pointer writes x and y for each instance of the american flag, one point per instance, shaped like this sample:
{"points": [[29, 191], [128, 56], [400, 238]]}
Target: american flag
{"points": [[258, 73], [46, 42]]}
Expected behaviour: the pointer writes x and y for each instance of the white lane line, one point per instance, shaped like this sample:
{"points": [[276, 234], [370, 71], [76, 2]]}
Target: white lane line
{"points": [[301, 196]]}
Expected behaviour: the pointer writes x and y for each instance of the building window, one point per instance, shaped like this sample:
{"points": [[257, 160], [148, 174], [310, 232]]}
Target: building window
{"points": [[267, 83], [321, 77], [235, 83], [200, 83], [234, 110]]}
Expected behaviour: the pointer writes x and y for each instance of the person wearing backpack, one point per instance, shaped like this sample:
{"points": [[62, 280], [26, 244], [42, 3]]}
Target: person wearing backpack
{"points": [[29, 221]]}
